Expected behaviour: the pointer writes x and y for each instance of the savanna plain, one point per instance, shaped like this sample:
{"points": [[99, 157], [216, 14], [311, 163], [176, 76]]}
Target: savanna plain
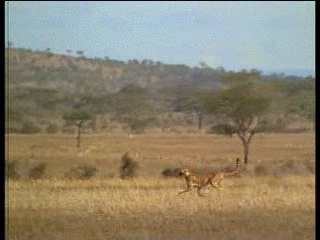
{"points": [[273, 199]]}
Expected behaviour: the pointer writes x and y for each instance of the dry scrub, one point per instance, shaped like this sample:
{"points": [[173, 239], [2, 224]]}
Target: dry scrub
{"points": [[154, 153], [148, 207]]}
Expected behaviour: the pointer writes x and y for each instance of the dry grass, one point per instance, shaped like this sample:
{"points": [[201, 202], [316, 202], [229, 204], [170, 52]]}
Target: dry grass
{"points": [[153, 152], [148, 207]]}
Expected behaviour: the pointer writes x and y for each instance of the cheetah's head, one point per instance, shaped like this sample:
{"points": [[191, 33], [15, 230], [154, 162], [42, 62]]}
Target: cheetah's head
{"points": [[184, 172]]}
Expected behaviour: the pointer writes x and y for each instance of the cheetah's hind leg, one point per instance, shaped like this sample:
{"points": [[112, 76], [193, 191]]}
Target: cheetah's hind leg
{"points": [[199, 193], [184, 191], [216, 185]]}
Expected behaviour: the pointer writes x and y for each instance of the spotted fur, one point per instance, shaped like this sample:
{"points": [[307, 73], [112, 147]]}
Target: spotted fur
{"points": [[198, 181]]}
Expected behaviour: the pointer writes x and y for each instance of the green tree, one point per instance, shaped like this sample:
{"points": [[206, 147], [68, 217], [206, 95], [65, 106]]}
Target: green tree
{"points": [[193, 102], [77, 118], [296, 97], [242, 76], [241, 109], [132, 107], [303, 104], [203, 64], [80, 53]]}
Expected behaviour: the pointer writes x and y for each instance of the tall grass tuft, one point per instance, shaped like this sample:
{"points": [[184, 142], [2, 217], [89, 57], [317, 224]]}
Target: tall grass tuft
{"points": [[85, 171], [12, 172], [38, 171], [128, 167]]}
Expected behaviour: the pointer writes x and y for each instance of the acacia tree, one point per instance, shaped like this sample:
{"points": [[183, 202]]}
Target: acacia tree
{"points": [[80, 53], [78, 118], [241, 109]]}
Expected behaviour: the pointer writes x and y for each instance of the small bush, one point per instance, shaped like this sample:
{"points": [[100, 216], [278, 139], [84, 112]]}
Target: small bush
{"points": [[282, 168], [288, 165], [12, 172], [68, 130], [37, 171], [296, 167], [52, 128], [265, 125], [85, 171], [128, 167], [137, 126], [171, 172], [30, 127], [261, 170], [310, 166], [222, 129], [13, 129], [110, 175]]}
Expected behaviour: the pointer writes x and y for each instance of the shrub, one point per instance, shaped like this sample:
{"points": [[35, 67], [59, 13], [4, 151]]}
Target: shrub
{"points": [[37, 171], [30, 127], [222, 129], [68, 130], [137, 126], [12, 172], [13, 129], [52, 128], [85, 171], [261, 170], [277, 125], [128, 167], [171, 172], [296, 167], [310, 166]]}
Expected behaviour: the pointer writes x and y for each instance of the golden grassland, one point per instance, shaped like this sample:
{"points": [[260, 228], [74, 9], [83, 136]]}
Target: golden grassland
{"points": [[148, 206]]}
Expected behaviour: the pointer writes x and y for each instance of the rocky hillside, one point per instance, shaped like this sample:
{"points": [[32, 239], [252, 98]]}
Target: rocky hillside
{"points": [[45, 70], [42, 86]]}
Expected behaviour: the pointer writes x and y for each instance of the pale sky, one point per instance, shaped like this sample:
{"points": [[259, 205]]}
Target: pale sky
{"points": [[269, 36]]}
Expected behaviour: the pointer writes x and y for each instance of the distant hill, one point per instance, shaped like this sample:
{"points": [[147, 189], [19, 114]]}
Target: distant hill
{"points": [[292, 72], [43, 86], [67, 73]]}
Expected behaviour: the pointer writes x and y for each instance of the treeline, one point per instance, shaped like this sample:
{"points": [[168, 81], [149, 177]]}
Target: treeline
{"points": [[137, 96]]}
